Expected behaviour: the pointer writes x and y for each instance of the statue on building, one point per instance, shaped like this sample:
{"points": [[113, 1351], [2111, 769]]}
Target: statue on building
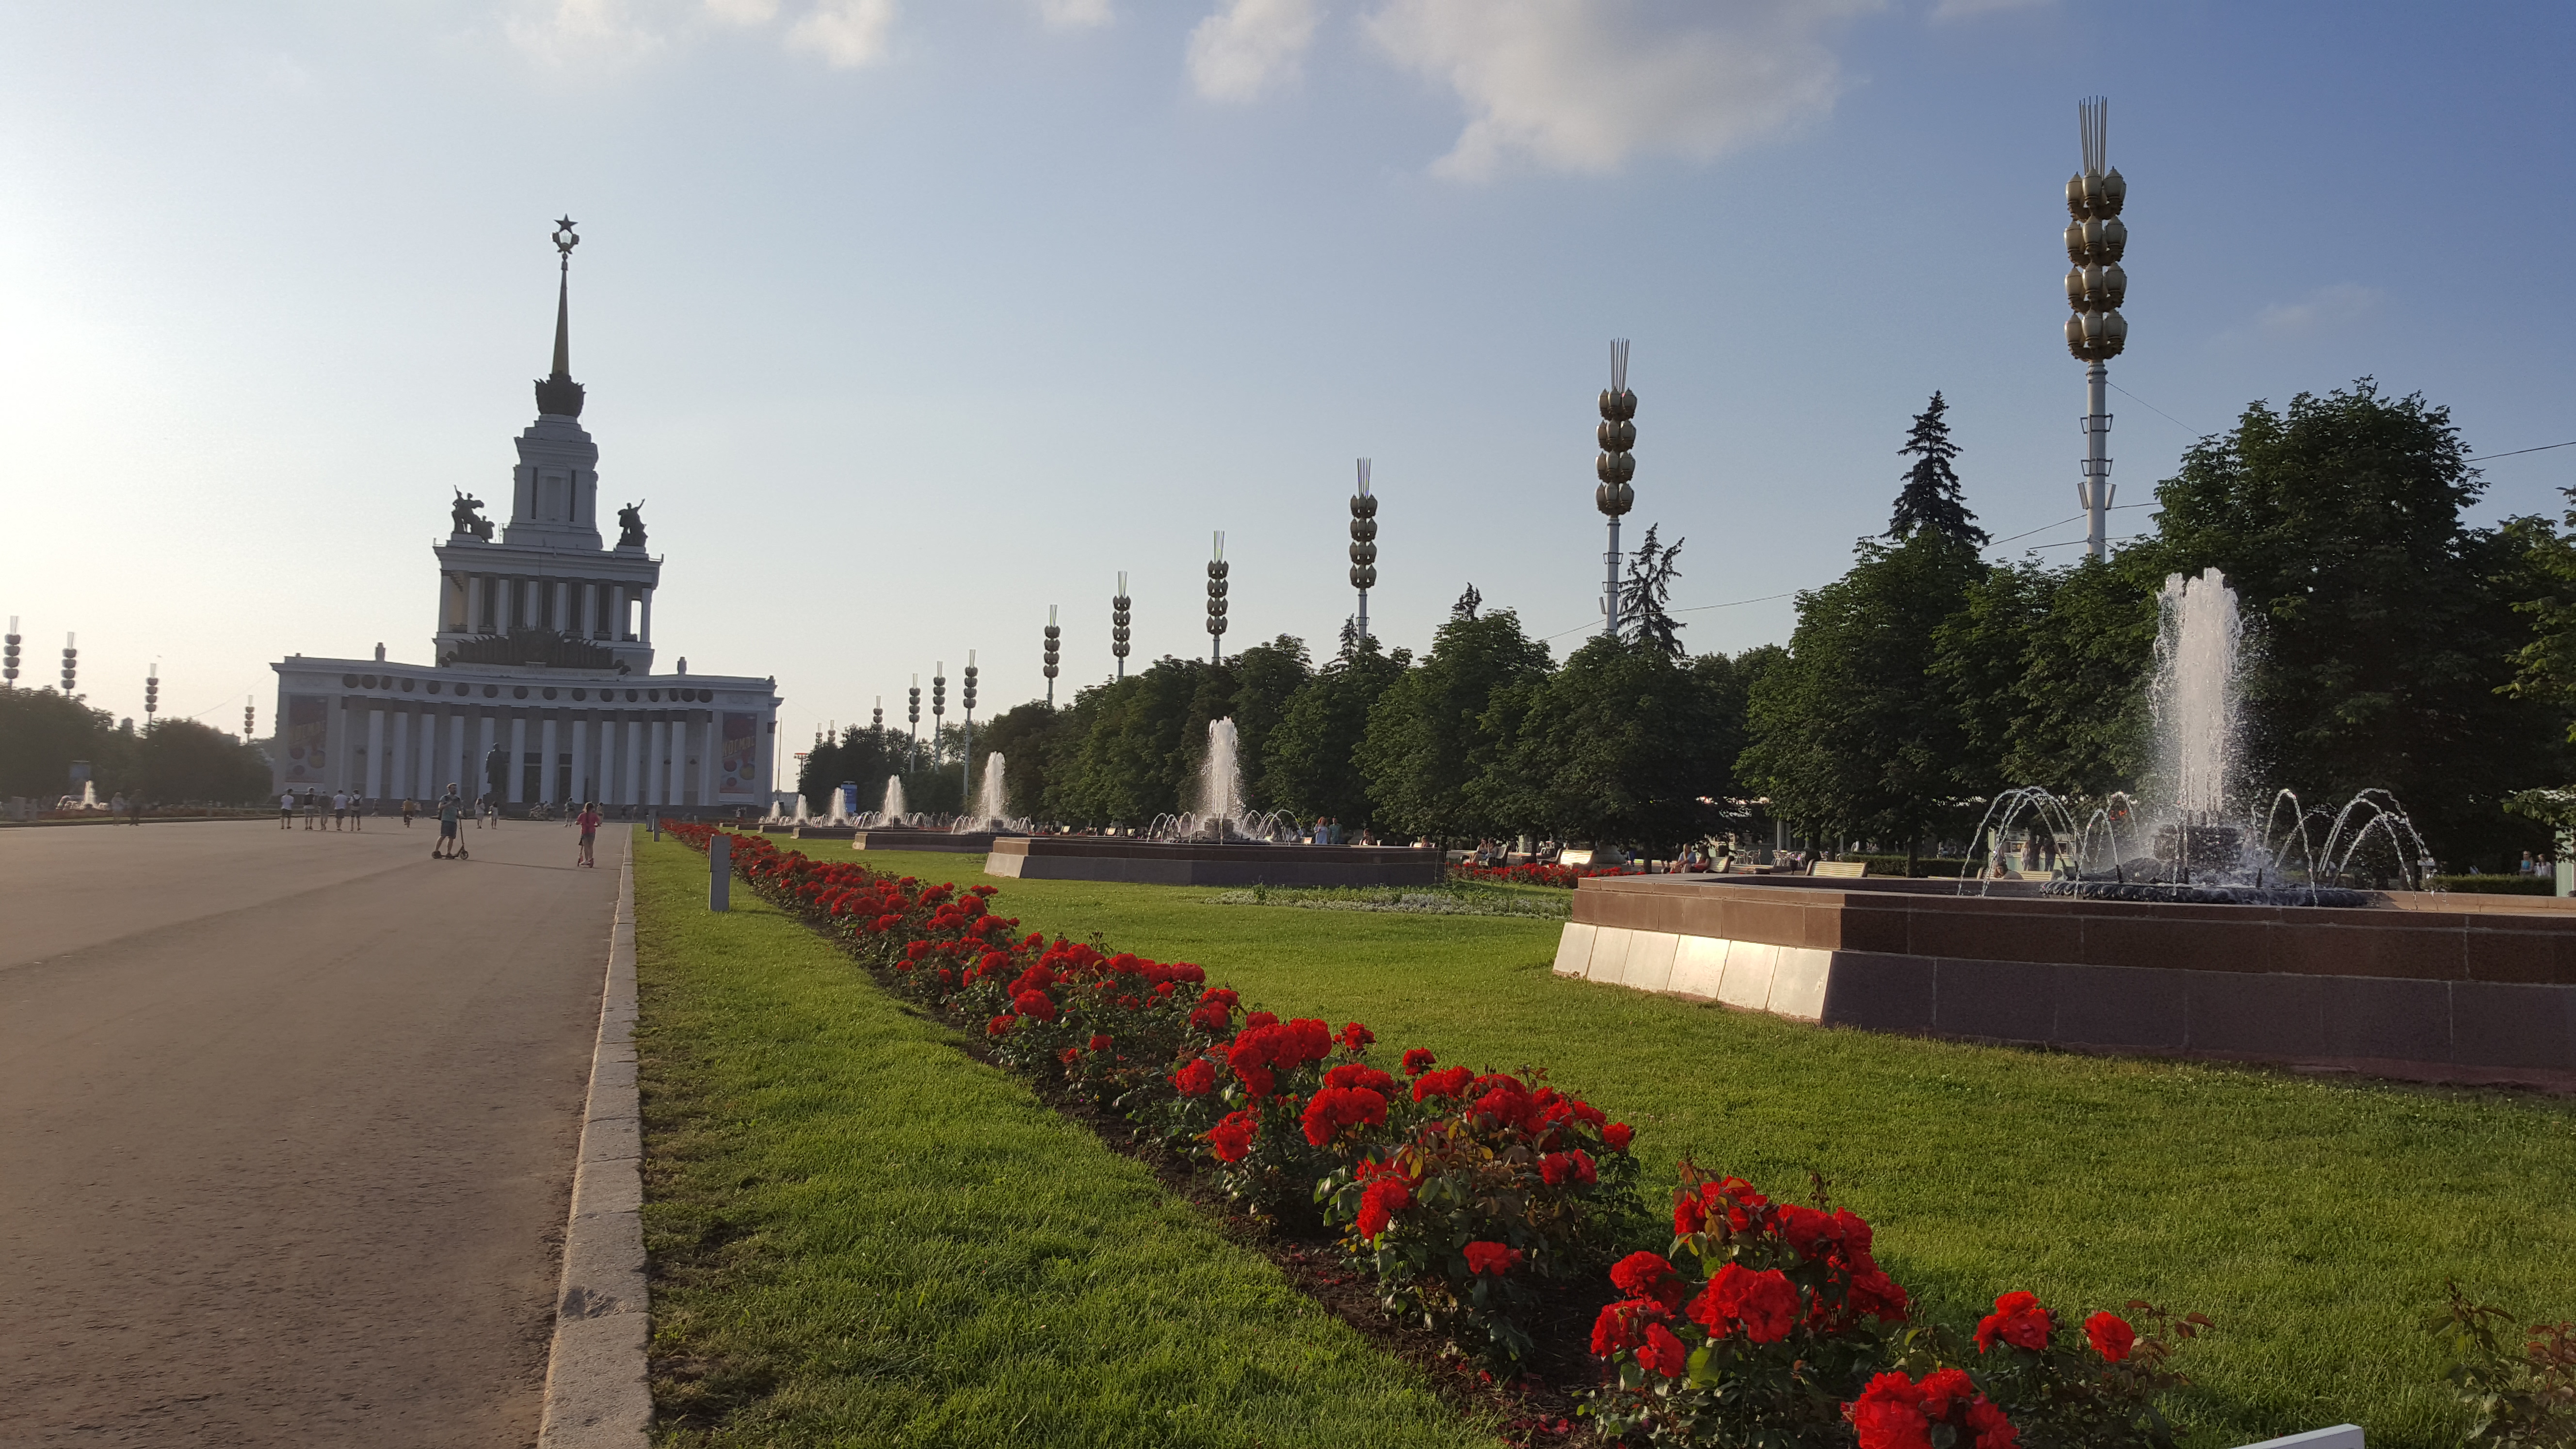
{"points": [[467, 516], [630, 526]]}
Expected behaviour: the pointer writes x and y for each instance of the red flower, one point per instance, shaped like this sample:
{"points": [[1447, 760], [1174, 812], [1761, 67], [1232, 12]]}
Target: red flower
{"points": [[1195, 1080], [1874, 1293], [1232, 1138], [1558, 1168], [1418, 1061], [1765, 1304], [1889, 1415], [1334, 1108], [1069, 1055], [1211, 1016], [1380, 1201], [1356, 1038], [1451, 1083], [1359, 1074], [1260, 1019], [1662, 1353], [2111, 1334], [1649, 1275], [1491, 1258], [1099, 1042], [1617, 1135], [2018, 1320], [1622, 1326], [998, 1026], [1034, 1003]]}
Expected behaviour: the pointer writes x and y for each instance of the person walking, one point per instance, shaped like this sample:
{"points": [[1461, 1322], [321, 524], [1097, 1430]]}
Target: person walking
{"points": [[286, 810], [312, 809], [588, 820], [408, 810], [451, 813], [339, 807], [357, 811]]}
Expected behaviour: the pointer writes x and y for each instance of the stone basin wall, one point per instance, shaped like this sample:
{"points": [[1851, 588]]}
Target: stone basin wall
{"points": [[2475, 988]]}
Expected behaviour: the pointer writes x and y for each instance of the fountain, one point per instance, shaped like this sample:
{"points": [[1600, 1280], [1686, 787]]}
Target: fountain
{"points": [[2199, 917], [1218, 840], [893, 827]]}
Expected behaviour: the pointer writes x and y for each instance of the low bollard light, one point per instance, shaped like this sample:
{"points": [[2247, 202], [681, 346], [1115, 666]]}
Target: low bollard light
{"points": [[720, 872]]}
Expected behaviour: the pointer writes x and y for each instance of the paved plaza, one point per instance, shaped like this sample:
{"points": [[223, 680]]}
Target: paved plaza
{"points": [[289, 1128]]}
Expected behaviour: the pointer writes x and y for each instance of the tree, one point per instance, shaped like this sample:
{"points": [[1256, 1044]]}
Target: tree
{"points": [[1853, 734], [42, 732], [1930, 498], [1426, 741], [1265, 679], [1310, 759], [1645, 614], [2387, 627], [1027, 737], [1628, 742], [2047, 669], [180, 760]]}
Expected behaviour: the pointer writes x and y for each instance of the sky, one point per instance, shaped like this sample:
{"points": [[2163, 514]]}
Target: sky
{"points": [[908, 321]]}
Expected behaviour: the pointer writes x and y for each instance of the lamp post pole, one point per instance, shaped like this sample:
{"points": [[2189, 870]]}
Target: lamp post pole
{"points": [[912, 740], [1616, 465], [1118, 621], [9, 660], [966, 767], [2095, 285], [1216, 602], [1363, 544], [938, 706], [1054, 636]]}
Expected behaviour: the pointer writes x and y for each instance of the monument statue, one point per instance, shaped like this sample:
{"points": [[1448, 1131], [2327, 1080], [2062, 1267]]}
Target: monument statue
{"points": [[630, 526], [467, 517]]}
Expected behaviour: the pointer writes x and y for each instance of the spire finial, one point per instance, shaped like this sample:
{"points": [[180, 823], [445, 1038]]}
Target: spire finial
{"points": [[557, 393]]}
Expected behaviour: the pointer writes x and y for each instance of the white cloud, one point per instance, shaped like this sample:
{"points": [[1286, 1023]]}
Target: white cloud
{"points": [[1583, 85], [1969, 9], [1074, 14], [846, 33], [584, 32], [742, 12], [2320, 309], [1251, 47]]}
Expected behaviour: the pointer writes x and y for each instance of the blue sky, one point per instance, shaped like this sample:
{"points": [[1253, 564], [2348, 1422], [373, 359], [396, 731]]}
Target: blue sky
{"points": [[910, 320]]}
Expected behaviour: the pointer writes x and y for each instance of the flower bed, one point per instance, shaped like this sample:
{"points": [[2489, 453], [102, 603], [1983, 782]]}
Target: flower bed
{"points": [[1563, 876], [1470, 1197]]}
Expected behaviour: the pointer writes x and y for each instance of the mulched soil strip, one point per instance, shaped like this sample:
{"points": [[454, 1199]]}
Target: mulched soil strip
{"points": [[1535, 1411]]}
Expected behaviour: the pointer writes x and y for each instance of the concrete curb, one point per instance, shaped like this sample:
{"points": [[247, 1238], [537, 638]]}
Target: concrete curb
{"points": [[596, 1394]]}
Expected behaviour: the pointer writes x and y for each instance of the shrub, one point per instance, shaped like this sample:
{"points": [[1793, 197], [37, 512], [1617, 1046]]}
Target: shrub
{"points": [[2496, 885], [2518, 1387]]}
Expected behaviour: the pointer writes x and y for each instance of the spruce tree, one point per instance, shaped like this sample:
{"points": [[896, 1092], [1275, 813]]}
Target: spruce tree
{"points": [[1645, 615], [1930, 498]]}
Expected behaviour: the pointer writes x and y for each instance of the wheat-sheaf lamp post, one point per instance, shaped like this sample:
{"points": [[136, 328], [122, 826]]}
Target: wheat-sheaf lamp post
{"points": [[1363, 544], [912, 747], [2095, 285], [1054, 636], [966, 767], [151, 696], [1217, 569], [938, 706], [71, 665], [9, 656], [1616, 465], [1118, 621]]}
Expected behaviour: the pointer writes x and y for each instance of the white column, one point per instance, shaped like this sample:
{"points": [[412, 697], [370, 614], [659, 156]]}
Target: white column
{"points": [[475, 782], [546, 774], [375, 775], [399, 758], [563, 607], [647, 634], [424, 754], [676, 738], [710, 742], [516, 783], [582, 789]]}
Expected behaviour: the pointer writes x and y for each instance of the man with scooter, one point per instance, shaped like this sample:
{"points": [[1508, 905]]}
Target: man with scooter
{"points": [[451, 813]]}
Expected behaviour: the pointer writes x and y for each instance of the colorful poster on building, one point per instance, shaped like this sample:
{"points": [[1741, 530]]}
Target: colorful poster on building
{"points": [[307, 732], [738, 757]]}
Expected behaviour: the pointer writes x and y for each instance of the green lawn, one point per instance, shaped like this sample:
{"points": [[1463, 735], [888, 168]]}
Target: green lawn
{"points": [[860, 1236], [2315, 1220]]}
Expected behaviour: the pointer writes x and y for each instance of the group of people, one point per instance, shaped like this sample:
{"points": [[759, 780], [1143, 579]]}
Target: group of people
{"points": [[348, 812]]}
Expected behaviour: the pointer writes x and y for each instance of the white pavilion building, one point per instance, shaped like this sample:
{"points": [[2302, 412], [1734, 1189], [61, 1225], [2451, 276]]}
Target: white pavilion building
{"points": [[542, 690]]}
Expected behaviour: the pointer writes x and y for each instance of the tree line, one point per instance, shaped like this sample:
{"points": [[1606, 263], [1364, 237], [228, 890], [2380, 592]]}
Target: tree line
{"points": [[173, 762], [2393, 645]]}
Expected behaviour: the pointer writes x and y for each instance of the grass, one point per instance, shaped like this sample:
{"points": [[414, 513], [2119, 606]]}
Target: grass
{"points": [[1457, 898], [2315, 1219], [861, 1236]]}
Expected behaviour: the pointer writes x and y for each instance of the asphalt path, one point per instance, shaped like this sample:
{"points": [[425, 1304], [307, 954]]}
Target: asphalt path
{"points": [[288, 1122]]}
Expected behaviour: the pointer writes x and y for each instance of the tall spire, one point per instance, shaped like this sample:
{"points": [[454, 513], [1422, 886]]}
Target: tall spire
{"points": [[558, 394]]}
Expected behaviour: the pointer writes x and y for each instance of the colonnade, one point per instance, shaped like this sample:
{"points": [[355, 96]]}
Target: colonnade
{"points": [[656, 757], [479, 603]]}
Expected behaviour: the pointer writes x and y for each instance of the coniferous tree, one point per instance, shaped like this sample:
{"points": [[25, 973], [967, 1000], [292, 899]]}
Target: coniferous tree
{"points": [[1930, 498], [1645, 616]]}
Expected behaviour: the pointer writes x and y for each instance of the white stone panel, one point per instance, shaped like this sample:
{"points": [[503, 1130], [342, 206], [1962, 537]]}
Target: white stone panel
{"points": [[1610, 954], [1573, 948], [1699, 965], [1798, 985], [1748, 975], [1650, 959]]}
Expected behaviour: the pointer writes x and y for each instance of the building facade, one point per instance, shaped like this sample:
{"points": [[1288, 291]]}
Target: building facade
{"points": [[542, 688]]}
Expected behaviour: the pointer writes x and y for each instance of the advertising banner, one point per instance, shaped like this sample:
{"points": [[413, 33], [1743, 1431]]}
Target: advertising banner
{"points": [[307, 732], [738, 755]]}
